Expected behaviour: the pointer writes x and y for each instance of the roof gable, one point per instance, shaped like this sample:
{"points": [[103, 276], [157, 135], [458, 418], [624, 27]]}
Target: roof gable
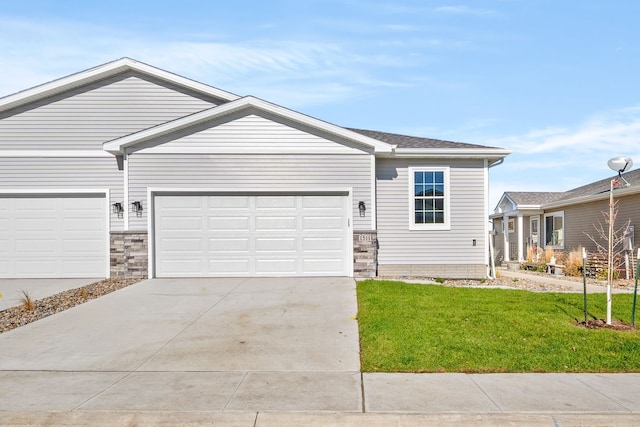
{"points": [[242, 107], [104, 71], [247, 132]]}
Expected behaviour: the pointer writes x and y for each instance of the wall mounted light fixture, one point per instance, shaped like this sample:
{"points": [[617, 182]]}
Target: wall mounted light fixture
{"points": [[117, 208], [362, 208], [137, 208]]}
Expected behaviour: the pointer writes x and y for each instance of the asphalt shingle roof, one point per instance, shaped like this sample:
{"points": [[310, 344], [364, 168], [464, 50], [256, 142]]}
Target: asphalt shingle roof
{"points": [[405, 141], [597, 187], [534, 197]]}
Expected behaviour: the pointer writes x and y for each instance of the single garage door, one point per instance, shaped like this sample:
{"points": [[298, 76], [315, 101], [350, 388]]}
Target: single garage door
{"points": [[252, 235], [51, 236]]}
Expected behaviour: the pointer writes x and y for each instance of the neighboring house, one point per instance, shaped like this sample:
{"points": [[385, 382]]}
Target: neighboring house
{"points": [[126, 169], [562, 221]]}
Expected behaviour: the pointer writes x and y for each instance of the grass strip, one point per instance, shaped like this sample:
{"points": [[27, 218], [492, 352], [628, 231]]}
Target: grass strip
{"points": [[430, 328]]}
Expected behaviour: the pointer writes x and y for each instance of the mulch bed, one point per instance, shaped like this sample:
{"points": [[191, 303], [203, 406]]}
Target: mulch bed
{"points": [[15, 317], [615, 325]]}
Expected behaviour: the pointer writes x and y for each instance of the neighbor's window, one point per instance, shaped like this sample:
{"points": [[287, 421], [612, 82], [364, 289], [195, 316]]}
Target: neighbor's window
{"points": [[554, 230], [429, 198]]}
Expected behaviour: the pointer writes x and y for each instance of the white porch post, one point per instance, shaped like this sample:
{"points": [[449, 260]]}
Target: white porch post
{"points": [[520, 237], [505, 232]]}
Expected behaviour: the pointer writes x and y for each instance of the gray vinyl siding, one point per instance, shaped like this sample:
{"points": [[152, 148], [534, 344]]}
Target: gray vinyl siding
{"points": [[250, 172], [251, 133], [581, 219], [399, 245], [64, 173], [85, 118]]}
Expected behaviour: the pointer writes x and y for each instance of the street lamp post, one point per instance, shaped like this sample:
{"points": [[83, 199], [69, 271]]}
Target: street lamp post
{"points": [[618, 164]]}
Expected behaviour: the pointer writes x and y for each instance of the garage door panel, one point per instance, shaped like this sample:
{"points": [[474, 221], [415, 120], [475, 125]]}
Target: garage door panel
{"points": [[35, 224], [182, 267], [310, 244], [229, 245], [32, 268], [227, 202], [276, 223], [181, 204], [285, 267], [229, 267], [46, 236], [273, 244], [35, 246], [82, 268], [81, 224], [25, 205], [275, 202], [182, 223], [182, 245], [254, 235], [322, 266], [240, 223], [323, 223], [83, 246]]}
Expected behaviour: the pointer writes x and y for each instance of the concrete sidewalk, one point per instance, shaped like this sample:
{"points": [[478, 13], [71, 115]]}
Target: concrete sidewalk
{"points": [[319, 398]]}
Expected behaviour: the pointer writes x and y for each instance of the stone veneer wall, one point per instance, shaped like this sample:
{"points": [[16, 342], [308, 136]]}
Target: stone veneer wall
{"points": [[365, 254], [128, 257]]}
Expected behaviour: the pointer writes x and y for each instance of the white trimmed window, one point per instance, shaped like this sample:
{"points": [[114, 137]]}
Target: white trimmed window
{"points": [[554, 230], [429, 199]]}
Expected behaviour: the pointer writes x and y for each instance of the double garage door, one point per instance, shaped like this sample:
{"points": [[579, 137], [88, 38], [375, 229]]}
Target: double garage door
{"points": [[200, 235], [53, 236]]}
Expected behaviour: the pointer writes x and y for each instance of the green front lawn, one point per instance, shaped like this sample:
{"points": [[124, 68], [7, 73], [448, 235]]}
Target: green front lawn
{"points": [[430, 328]]}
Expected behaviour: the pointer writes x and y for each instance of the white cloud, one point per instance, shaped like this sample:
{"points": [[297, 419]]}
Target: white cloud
{"points": [[613, 131]]}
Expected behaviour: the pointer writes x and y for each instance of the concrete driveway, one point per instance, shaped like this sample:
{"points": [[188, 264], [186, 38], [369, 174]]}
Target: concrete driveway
{"points": [[232, 344]]}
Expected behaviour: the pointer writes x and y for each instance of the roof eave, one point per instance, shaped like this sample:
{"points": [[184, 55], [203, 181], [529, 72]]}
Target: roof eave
{"points": [[492, 154]]}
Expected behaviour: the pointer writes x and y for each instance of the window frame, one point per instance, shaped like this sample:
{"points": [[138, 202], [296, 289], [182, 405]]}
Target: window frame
{"points": [[446, 225], [558, 214]]}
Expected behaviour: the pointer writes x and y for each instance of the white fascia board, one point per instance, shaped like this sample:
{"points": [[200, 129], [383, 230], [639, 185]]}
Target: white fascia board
{"points": [[54, 153], [101, 191], [118, 146], [524, 210], [155, 191], [462, 153], [103, 71]]}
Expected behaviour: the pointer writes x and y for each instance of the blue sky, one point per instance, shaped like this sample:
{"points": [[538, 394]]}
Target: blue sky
{"points": [[557, 82]]}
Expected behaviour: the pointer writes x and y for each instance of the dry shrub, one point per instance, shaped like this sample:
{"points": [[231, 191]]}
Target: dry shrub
{"points": [[573, 263], [27, 302], [548, 253]]}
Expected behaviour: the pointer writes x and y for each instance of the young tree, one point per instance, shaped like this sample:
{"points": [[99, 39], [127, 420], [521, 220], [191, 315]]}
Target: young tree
{"points": [[609, 241]]}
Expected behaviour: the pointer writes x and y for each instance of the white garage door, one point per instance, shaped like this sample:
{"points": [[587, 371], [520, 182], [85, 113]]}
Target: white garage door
{"points": [[252, 235], [53, 237]]}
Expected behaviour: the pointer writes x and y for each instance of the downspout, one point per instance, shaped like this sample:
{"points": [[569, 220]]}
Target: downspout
{"points": [[496, 163]]}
